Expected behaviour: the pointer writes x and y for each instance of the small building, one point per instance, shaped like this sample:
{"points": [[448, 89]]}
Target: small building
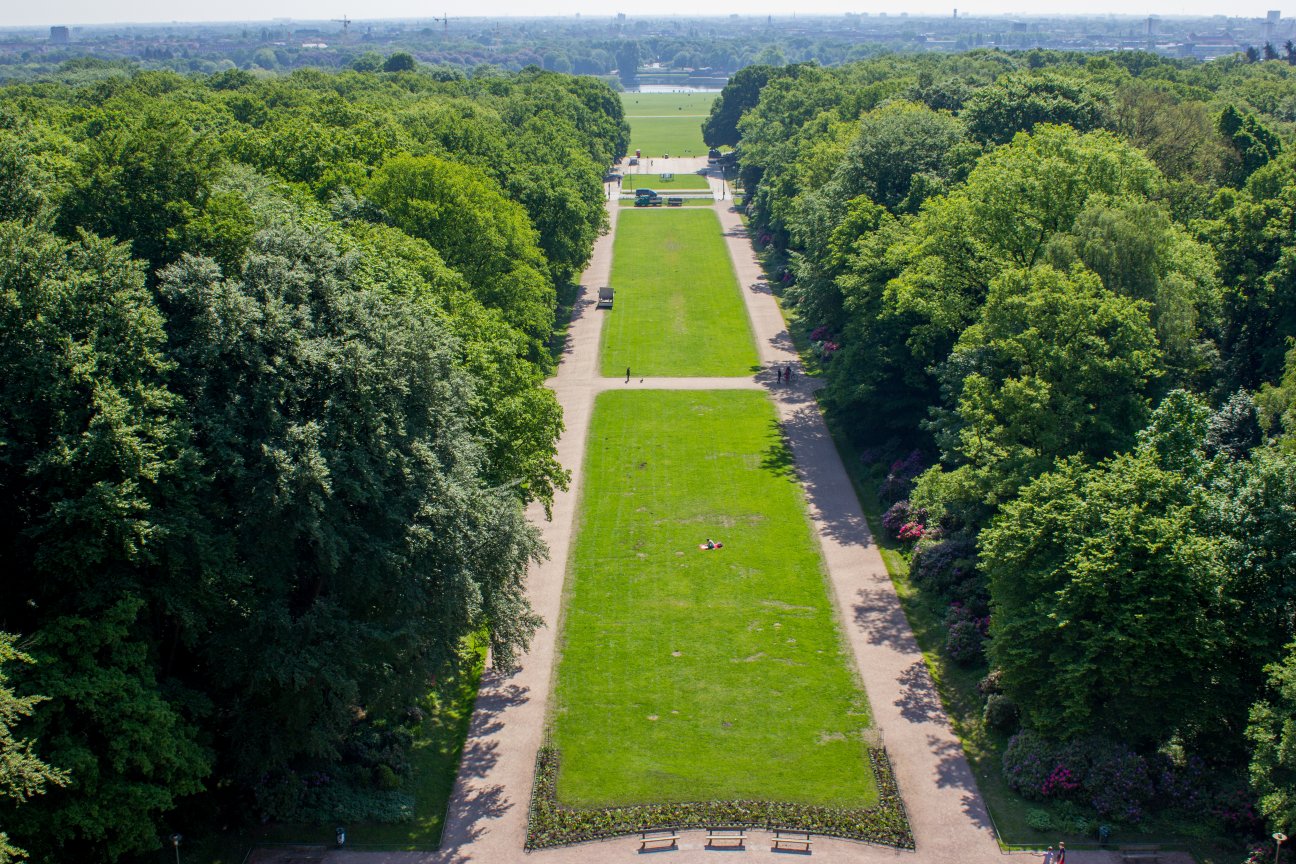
{"points": [[60, 35]]}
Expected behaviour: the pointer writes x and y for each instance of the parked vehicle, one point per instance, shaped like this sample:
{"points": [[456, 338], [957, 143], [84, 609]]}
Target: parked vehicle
{"points": [[674, 202]]}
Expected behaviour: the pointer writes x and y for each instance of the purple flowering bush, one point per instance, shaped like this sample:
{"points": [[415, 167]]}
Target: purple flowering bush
{"points": [[898, 515], [1028, 761], [943, 564], [1118, 783], [900, 479]]}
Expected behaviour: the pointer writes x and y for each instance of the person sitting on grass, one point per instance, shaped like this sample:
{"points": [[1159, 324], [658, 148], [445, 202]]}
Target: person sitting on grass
{"points": [[709, 544]]}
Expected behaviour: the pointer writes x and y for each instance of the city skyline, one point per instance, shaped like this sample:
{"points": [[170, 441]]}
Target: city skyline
{"points": [[82, 13]]}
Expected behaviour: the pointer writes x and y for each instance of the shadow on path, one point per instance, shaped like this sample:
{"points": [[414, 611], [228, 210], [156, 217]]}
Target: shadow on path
{"points": [[918, 701], [882, 620]]}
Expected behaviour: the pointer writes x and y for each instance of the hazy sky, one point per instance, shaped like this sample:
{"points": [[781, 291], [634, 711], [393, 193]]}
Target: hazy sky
{"points": [[20, 13]]}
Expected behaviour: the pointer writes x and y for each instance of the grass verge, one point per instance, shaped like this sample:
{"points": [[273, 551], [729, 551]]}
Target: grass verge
{"points": [[689, 675], [688, 202], [678, 310]]}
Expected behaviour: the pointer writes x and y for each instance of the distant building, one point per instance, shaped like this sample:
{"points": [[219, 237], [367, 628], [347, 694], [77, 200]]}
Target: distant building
{"points": [[60, 35]]}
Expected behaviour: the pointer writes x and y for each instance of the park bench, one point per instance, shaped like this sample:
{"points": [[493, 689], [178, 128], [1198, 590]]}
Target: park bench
{"points": [[666, 838], [791, 840], [674, 202], [604, 298], [1141, 854], [732, 837]]}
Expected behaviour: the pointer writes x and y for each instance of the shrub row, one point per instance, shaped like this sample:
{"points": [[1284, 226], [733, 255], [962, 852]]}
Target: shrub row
{"points": [[551, 824]]}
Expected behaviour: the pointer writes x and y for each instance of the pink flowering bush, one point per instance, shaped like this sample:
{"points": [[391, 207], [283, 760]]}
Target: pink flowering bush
{"points": [[911, 531]]}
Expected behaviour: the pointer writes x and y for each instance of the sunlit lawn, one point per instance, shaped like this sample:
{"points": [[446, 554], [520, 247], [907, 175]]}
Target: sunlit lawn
{"points": [[678, 310], [691, 675], [653, 104], [669, 135]]}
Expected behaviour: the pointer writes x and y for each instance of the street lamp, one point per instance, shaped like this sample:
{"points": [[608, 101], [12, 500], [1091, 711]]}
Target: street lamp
{"points": [[1279, 839], [175, 844]]}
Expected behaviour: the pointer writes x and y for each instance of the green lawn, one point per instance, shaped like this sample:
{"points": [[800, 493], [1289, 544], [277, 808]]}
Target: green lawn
{"points": [[690, 675], [688, 202], [672, 104], [667, 135], [678, 311], [631, 182]]}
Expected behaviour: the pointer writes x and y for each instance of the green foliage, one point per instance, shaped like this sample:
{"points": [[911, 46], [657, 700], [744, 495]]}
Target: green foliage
{"points": [[23, 775], [740, 95], [478, 231], [1254, 144], [1272, 733], [401, 61], [129, 750], [1106, 596], [1022, 101]]}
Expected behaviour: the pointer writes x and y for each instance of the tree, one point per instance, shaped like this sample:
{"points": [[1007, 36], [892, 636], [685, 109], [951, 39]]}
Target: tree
{"points": [[23, 775], [344, 498], [896, 144], [139, 178], [400, 61], [740, 95], [1254, 144], [1105, 597], [1021, 101], [486, 237], [1056, 366], [1272, 733]]}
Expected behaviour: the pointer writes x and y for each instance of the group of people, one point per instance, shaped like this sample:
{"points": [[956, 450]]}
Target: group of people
{"points": [[784, 375], [1056, 856]]}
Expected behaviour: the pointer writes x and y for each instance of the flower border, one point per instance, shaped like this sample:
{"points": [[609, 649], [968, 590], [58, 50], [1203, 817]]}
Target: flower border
{"points": [[550, 824]]}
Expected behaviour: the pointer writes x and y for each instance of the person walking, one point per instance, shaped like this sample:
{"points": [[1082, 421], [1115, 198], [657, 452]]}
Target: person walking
{"points": [[1049, 856], [1060, 857], [627, 374], [787, 374], [779, 372]]}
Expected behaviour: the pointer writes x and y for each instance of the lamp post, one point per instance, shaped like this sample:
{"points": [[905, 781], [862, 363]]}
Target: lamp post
{"points": [[1279, 839], [175, 844]]}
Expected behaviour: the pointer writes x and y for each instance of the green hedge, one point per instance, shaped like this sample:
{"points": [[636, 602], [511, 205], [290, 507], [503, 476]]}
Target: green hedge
{"points": [[550, 824]]}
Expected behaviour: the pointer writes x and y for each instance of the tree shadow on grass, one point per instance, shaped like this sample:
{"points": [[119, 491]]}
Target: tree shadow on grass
{"points": [[777, 458]]}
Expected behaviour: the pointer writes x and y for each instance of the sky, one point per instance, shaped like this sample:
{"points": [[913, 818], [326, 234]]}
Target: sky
{"points": [[71, 12]]}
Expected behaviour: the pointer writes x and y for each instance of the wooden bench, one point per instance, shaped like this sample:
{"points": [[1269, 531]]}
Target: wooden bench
{"points": [[667, 838], [1130, 854], [791, 840], [729, 837]]}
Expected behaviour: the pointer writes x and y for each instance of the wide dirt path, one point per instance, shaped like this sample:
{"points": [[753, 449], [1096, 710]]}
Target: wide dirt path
{"points": [[488, 810]]}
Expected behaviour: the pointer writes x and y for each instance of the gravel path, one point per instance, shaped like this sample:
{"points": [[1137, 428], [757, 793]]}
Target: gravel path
{"points": [[488, 809]]}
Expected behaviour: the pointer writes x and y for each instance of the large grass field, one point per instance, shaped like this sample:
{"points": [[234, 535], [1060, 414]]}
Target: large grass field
{"points": [[690, 675], [630, 182], [678, 311], [667, 136], [656, 104]]}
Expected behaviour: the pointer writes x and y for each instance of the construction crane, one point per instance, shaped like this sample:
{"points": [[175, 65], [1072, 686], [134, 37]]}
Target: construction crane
{"points": [[345, 22], [445, 24]]}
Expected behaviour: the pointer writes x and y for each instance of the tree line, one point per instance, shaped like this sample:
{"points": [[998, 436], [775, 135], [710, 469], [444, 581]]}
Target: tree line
{"points": [[272, 396], [1054, 292]]}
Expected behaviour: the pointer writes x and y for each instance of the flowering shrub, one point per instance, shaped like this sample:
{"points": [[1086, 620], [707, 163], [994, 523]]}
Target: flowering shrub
{"points": [[1183, 786], [1237, 811], [911, 531], [1118, 782], [941, 565], [900, 479], [964, 643], [1028, 761], [820, 333], [1060, 783], [897, 516]]}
